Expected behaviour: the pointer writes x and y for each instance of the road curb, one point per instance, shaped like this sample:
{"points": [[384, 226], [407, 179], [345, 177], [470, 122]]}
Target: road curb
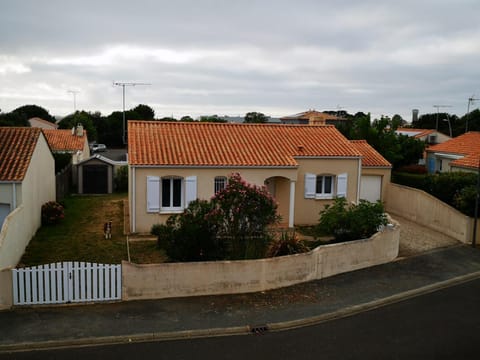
{"points": [[239, 330]]}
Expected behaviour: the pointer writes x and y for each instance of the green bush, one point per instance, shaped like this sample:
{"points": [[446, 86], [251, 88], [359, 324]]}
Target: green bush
{"points": [[287, 243], [465, 200], [52, 213], [189, 236], [121, 179], [351, 222], [417, 181]]}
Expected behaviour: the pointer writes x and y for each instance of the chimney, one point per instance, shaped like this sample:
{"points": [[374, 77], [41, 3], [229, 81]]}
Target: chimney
{"points": [[79, 130]]}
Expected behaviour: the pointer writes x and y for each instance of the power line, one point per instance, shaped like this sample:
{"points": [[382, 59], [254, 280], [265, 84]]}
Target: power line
{"points": [[123, 85]]}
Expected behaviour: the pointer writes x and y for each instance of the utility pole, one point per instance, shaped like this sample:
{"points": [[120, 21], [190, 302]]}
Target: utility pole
{"points": [[438, 109], [123, 84], [470, 100], [74, 93]]}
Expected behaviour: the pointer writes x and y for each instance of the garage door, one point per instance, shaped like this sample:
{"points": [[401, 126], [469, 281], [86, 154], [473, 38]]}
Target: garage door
{"points": [[371, 188], [95, 179]]}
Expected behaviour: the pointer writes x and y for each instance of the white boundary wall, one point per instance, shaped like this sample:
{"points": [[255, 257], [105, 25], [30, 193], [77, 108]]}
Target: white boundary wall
{"points": [[155, 281], [424, 209]]}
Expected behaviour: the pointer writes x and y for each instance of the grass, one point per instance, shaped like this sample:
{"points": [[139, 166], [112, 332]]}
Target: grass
{"points": [[146, 252], [79, 237]]}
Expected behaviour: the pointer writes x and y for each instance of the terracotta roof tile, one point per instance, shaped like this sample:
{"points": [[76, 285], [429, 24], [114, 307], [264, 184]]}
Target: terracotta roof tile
{"points": [[371, 158], [467, 144], [416, 133], [64, 140], [218, 144], [17, 145]]}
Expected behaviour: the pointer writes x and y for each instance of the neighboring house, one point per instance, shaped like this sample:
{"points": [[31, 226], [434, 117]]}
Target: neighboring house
{"points": [[303, 167], [312, 117], [461, 153], [429, 136], [27, 181], [74, 142], [96, 174], [42, 124]]}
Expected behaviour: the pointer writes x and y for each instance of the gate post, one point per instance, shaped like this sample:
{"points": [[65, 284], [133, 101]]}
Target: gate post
{"points": [[6, 289]]}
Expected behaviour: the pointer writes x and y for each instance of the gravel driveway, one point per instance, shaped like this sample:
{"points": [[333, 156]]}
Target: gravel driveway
{"points": [[415, 239]]}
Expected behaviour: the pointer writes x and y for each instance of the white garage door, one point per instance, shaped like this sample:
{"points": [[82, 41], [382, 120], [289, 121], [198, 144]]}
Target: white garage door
{"points": [[371, 188]]}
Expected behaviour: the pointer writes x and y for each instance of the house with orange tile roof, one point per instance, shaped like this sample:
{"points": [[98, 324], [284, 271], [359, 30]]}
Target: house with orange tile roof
{"points": [[461, 153], [74, 142], [27, 181], [430, 136], [303, 167], [311, 117]]}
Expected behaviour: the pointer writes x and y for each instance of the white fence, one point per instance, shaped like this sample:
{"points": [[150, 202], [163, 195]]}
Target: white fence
{"points": [[66, 282]]}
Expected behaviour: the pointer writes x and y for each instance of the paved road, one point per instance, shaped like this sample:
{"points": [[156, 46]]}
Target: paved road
{"points": [[440, 325]]}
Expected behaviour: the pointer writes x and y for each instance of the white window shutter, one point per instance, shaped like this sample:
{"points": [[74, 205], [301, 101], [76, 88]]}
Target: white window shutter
{"points": [[190, 189], [153, 194], [342, 185], [310, 184]]}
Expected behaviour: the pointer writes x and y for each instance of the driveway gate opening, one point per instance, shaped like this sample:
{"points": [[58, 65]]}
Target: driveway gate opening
{"points": [[67, 282]]}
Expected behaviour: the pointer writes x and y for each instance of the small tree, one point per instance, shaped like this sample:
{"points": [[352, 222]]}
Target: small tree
{"points": [[242, 212]]}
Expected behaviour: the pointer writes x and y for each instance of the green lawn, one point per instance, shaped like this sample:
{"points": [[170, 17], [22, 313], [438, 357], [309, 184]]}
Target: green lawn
{"points": [[79, 237]]}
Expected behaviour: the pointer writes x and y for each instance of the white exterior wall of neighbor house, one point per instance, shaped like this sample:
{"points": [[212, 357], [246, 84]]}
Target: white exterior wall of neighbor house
{"points": [[141, 221], [37, 188]]}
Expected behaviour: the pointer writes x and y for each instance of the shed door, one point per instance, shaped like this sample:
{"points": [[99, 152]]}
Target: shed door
{"points": [[371, 188], [95, 179]]}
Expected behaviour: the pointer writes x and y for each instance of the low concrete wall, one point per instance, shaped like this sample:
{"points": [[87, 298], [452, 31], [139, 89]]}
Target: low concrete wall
{"points": [[426, 210], [14, 238], [155, 281]]}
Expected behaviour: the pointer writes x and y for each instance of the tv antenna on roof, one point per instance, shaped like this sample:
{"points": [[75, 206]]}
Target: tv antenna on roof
{"points": [[438, 110], [74, 93], [123, 84], [471, 99]]}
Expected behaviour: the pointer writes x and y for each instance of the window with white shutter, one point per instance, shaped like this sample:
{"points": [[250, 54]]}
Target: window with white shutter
{"points": [[153, 194]]}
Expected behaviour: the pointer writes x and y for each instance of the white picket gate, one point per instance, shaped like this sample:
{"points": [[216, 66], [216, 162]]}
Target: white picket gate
{"points": [[67, 282]]}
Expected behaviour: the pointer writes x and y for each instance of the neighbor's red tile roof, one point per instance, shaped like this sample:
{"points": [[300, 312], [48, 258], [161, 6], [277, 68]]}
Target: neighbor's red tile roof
{"points": [[64, 140], [17, 145], [467, 144], [219, 144], [371, 158], [416, 133]]}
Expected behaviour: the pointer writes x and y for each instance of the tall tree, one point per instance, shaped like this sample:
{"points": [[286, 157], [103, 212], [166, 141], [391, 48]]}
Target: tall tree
{"points": [[13, 119], [212, 118], [30, 111], [145, 112], [255, 117], [80, 117]]}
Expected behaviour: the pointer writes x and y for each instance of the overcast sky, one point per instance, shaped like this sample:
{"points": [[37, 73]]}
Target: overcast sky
{"points": [[231, 57]]}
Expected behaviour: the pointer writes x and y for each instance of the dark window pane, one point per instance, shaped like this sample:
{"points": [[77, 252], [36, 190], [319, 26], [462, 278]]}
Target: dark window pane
{"points": [[318, 188], [177, 192], [328, 184], [166, 192]]}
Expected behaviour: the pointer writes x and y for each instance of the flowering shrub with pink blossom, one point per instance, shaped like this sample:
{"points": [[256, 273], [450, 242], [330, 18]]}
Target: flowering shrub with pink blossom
{"points": [[241, 214], [233, 225]]}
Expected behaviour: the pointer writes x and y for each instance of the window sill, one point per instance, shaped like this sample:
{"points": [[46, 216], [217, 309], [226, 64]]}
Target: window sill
{"points": [[171, 211], [324, 197]]}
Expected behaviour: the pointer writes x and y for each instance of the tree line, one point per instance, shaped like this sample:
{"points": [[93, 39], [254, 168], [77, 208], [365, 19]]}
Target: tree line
{"points": [[399, 150]]}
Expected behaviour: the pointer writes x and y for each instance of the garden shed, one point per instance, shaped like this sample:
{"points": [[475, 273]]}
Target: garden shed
{"points": [[95, 175]]}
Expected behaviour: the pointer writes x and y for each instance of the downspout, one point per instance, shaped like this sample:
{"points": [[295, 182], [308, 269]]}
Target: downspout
{"points": [[291, 210], [359, 178], [14, 196], [133, 206]]}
